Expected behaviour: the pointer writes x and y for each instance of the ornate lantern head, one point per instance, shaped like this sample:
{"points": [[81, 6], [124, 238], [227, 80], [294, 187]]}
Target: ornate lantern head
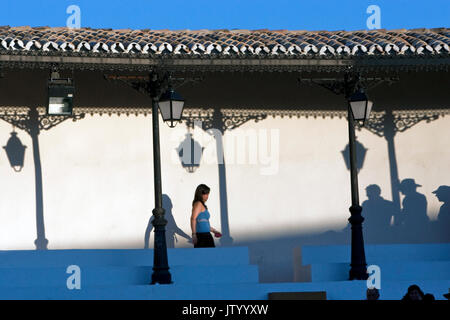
{"points": [[171, 105], [360, 106]]}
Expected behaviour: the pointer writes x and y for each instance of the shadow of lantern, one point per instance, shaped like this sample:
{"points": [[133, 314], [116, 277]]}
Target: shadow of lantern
{"points": [[15, 151], [360, 155], [190, 153]]}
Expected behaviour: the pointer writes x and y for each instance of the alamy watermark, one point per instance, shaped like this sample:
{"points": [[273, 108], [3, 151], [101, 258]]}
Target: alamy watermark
{"points": [[74, 280], [374, 20], [258, 147], [374, 280], [74, 20]]}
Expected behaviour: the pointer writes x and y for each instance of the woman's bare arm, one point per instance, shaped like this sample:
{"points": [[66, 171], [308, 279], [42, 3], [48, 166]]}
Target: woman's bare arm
{"points": [[196, 209]]}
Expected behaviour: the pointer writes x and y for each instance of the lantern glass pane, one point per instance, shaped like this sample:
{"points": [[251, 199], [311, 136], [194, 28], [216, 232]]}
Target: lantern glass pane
{"points": [[369, 109], [165, 106], [177, 109], [60, 105], [60, 97], [358, 109]]}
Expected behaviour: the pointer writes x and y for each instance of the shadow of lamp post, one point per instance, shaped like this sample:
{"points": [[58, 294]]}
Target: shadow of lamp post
{"points": [[190, 153], [31, 120], [387, 124], [360, 155], [358, 109]]}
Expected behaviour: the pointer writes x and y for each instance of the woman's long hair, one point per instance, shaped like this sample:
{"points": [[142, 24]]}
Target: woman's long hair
{"points": [[199, 192]]}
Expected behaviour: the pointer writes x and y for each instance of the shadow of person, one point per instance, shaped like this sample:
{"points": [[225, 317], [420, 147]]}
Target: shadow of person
{"points": [[443, 219], [378, 213], [171, 228], [414, 217]]}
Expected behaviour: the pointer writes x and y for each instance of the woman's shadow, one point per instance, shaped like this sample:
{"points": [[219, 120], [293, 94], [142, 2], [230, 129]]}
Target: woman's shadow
{"points": [[171, 228]]}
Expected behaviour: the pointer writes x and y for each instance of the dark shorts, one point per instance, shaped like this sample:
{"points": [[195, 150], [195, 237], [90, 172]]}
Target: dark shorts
{"points": [[204, 240]]}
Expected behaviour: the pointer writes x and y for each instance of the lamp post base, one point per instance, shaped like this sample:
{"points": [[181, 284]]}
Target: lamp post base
{"points": [[161, 276], [161, 272], [358, 273], [358, 270]]}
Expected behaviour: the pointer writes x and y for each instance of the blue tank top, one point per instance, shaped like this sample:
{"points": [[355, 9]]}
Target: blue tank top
{"points": [[203, 221]]}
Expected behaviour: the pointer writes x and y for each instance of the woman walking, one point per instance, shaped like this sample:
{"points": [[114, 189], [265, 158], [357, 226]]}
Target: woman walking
{"points": [[201, 229]]}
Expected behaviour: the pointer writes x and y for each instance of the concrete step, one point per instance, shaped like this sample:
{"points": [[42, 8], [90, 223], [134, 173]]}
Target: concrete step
{"points": [[376, 253], [339, 290], [389, 271], [112, 275], [124, 257]]}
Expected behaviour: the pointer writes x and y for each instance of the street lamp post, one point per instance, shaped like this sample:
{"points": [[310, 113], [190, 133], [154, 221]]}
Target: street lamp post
{"points": [[171, 106], [158, 87], [359, 108], [161, 272]]}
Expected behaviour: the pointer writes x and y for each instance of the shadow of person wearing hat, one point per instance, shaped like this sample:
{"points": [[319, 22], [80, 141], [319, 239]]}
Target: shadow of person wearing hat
{"points": [[414, 207], [443, 195], [443, 219]]}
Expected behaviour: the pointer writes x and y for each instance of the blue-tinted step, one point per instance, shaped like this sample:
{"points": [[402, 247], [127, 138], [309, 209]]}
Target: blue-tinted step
{"points": [[123, 257], [416, 270], [376, 253], [343, 290], [101, 276]]}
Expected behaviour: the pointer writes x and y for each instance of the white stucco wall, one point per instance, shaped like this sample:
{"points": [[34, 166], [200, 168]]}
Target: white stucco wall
{"points": [[98, 180]]}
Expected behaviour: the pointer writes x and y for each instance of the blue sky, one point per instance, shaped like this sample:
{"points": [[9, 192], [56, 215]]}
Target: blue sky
{"points": [[228, 14]]}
